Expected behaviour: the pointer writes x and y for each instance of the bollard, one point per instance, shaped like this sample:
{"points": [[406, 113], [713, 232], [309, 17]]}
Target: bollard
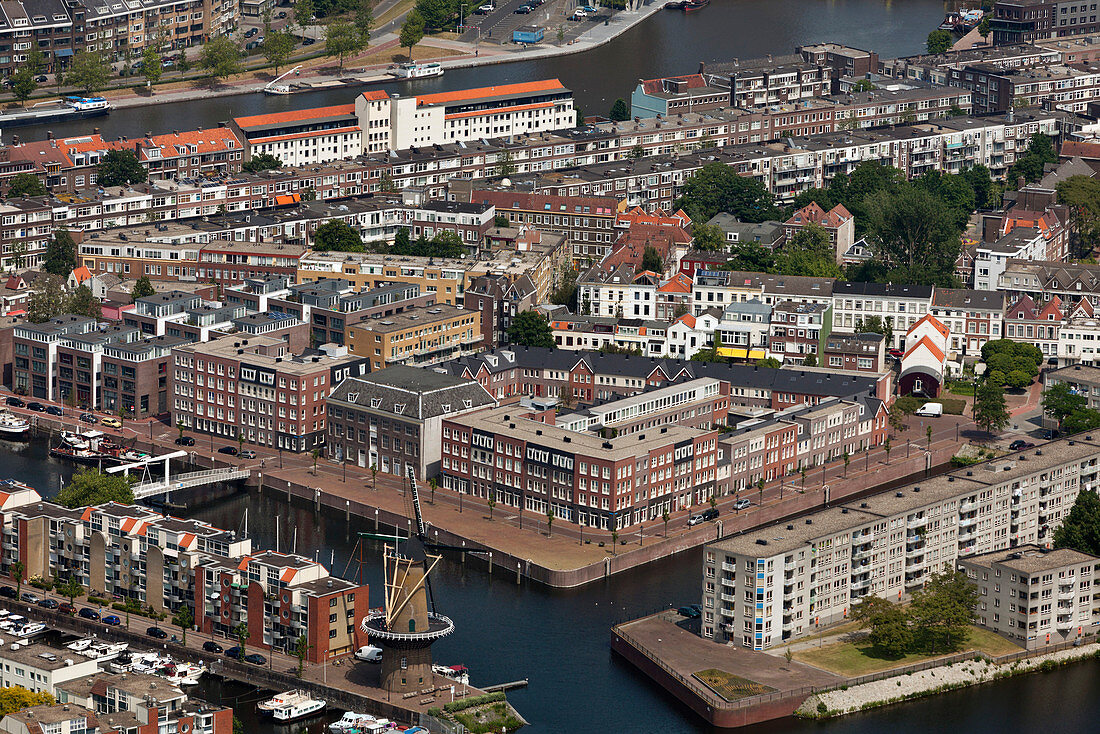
{"points": [[464, 553], [316, 500], [347, 510], [518, 566], [490, 563]]}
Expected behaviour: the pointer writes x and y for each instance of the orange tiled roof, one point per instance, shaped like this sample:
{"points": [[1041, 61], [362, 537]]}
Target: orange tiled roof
{"points": [[288, 575], [543, 85], [375, 94], [679, 283], [690, 81], [312, 113], [936, 324], [81, 274], [927, 344]]}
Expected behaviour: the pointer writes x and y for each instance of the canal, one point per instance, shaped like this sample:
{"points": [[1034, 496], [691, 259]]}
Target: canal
{"points": [[665, 44], [559, 638]]}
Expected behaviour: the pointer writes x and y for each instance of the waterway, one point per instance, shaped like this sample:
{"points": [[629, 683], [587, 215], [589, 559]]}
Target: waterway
{"points": [[667, 43], [559, 638]]}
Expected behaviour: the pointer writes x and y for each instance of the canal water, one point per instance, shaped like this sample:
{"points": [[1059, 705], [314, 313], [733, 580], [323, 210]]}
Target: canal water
{"points": [[667, 43], [559, 638]]}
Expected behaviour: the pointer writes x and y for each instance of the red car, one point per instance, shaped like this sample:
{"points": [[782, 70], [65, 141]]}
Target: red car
{"points": [[67, 608], [895, 353]]}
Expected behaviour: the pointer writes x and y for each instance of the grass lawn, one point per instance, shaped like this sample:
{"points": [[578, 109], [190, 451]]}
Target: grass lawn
{"points": [[852, 659], [396, 55]]}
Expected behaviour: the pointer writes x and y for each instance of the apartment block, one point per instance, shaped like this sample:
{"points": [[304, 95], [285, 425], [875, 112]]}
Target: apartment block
{"points": [[701, 403], [579, 476], [781, 582], [1033, 595], [899, 305], [36, 349], [258, 389], [974, 317], [1026, 21], [416, 336]]}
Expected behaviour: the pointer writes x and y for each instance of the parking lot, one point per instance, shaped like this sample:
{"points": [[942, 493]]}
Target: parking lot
{"points": [[497, 26]]}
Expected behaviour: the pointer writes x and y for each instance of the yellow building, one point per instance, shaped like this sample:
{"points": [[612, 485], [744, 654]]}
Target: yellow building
{"points": [[417, 336]]}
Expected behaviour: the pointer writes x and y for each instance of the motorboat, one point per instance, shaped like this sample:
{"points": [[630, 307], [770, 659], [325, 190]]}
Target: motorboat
{"points": [[13, 426], [417, 71], [12, 622], [457, 673], [182, 674], [122, 664], [74, 440], [279, 700], [299, 710], [278, 89], [31, 628], [351, 723], [80, 645], [69, 108]]}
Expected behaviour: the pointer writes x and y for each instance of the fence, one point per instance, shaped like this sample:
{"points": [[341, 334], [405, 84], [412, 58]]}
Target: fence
{"points": [[438, 726]]}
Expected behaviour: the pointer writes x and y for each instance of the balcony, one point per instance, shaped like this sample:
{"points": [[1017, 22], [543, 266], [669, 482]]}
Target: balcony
{"points": [[860, 585], [967, 521], [913, 552], [917, 580], [729, 566], [1065, 621], [1064, 593], [915, 566], [917, 522], [967, 506], [863, 553], [732, 599]]}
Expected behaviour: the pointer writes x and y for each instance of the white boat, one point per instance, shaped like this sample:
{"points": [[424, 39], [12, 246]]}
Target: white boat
{"points": [[104, 650], [277, 89], [351, 722], [413, 70], [74, 440], [31, 628], [12, 425], [457, 673], [182, 674], [122, 664], [148, 662], [79, 645], [286, 698], [295, 711], [12, 622]]}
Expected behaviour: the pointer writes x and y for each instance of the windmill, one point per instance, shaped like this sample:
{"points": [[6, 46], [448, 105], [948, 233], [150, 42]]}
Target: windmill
{"points": [[407, 626]]}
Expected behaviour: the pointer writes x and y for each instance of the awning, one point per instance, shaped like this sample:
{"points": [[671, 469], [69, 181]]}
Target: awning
{"points": [[731, 352], [284, 199], [757, 354], [63, 52]]}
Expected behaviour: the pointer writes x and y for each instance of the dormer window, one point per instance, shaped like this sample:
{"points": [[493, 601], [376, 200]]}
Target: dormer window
{"points": [[375, 402]]}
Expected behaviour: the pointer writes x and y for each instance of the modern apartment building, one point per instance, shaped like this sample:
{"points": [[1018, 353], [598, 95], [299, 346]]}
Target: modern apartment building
{"points": [[579, 476], [1026, 21], [258, 389], [416, 336], [139, 703], [1033, 595], [781, 582], [36, 349]]}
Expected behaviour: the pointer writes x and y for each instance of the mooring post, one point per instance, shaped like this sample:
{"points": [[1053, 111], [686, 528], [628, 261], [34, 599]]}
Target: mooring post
{"points": [[490, 563], [518, 566], [347, 510]]}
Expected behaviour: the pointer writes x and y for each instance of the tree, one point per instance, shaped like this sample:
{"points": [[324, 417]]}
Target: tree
{"points": [[83, 303], [1080, 529], [304, 12], [990, 410], [151, 67], [241, 632], [17, 698], [614, 541], [1040, 151], [120, 168], [374, 477], [60, 254], [492, 503], [651, 260], [549, 521], [337, 235], [1081, 420], [88, 71], [277, 48], [896, 419], [876, 325], [913, 234], [412, 30], [928, 433], [315, 455], [143, 288], [620, 111], [19, 573], [1017, 379], [184, 619], [716, 188], [70, 588], [301, 649], [46, 300], [847, 460], [498, 221], [530, 329], [1082, 195], [91, 487], [341, 40], [891, 634], [364, 20], [35, 60], [664, 519], [769, 363], [809, 252], [262, 162], [711, 238], [25, 184], [943, 609], [23, 84], [939, 42], [886, 445], [810, 360], [1059, 401], [985, 26], [220, 58]]}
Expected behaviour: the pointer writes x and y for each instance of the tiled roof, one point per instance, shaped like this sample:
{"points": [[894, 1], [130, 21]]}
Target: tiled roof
{"points": [[543, 85], [277, 118]]}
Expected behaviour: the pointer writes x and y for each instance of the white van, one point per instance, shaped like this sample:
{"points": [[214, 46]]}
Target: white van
{"points": [[930, 410], [369, 654]]}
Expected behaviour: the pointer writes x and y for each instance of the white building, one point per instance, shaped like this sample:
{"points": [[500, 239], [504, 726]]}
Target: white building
{"points": [[899, 305]]}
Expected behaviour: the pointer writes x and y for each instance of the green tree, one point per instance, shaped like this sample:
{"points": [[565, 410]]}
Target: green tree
{"points": [[412, 30], [364, 20], [1040, 151], [651, 260], [89, 72], [716, 187], [82, 303], [336, 235], [1082, 195], [17, 698], [985, 26], [262, 162], [531, 329], [143, 288], [876, 325], [1080, 529], [549, 522], [47, 299], [35, 60], [277, 48], [315, 455], [436, 13], [342, 39], [943, 610], [888, 625], [23, 84], [990, 410], [301, 650], [492, 503], [912, 233], [809, 252], [810, 360], [664, 519], [120, 168], [620, 110], [752, 257], [769, 362], [241, 632], [304, 12], [70, 588], [184, 619], [60, 254], [939, 42], [151, 67], [19, 573], [1081, 420], [1017, 379], [709, 237], [220, 58], [91, 487], [1060, 401], [25, 184]]}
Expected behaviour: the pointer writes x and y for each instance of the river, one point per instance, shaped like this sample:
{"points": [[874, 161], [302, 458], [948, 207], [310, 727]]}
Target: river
{"points": [[667, 43], [559, 638]]}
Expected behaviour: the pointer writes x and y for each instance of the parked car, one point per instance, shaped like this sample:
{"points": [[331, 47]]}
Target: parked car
{"points": [[255, 658], [185, 441], [28, 597], [689, 611], [112, 620], [246, 454], [741, 504], [930, 410], [111, 422], [48, 603], [88, 418], [36, 407], [8, 592], [710, 514], [523, 9], [895, 353], [308, 41], [1020, 444], [89, 613], [54, 410], [695, 519], [67, 608], [211, 646], [369, 654], [231, 450], [41, 78], [250, 32], [578, 14], [15, 403], [233, 652], [703, 516], [157, 633], [486, 8]]}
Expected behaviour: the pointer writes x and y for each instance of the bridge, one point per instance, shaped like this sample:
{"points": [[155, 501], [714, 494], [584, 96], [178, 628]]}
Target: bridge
{"points": [[152, 487]]}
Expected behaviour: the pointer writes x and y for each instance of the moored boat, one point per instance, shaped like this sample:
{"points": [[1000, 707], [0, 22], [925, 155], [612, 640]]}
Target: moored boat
{"points": [[286, 698], [70, 108], [417, 71], [299, 710], [692, 5], [13, 426]]}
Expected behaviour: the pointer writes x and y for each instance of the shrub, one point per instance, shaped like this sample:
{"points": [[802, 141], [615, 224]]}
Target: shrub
{"points": [[98, 600], [822, 708], [466, 703]]}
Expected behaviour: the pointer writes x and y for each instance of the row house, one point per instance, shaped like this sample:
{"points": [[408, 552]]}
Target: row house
{"points": [[1027, 321], [1020, 235], [864, 352], [416, 336], [1053, 86], [646, 337], [499, 298], [799, 576], [743, 330], [1027, 21], [702, 403], [669, 95], [1070, 282], [973, 317], [901, 306], [838, 223], [798, 331], [936, 68], [1078, 335]]}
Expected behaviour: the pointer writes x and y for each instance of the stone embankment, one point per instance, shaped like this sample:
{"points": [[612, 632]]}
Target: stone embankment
{"points": [[908, 686]]}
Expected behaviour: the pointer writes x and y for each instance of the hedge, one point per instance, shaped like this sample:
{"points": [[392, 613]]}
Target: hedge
{"points": [[474, 701]]}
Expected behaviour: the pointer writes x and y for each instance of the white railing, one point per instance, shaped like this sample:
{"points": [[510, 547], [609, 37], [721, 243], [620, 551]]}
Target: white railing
{"points": [[188, 480]]}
